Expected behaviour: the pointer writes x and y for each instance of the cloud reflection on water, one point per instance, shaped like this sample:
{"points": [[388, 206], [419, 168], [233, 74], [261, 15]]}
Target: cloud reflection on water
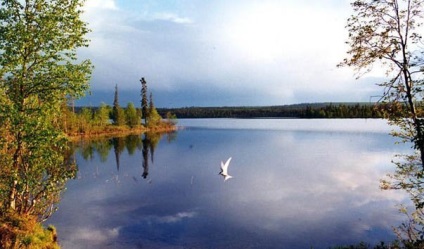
{"points": [[292, 188], [326, 184]]}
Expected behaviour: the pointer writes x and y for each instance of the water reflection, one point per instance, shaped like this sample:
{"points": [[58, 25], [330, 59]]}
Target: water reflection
{"points": [[146, 143], [315, 188], [294, 189], [30, 193], [409, 177]]}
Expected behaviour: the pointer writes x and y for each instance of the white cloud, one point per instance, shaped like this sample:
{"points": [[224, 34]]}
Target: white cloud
{"points": [[176, 217], [271, 30], [172, 17], [100, 4], [283, 52], [90, 236], [332, 181]]}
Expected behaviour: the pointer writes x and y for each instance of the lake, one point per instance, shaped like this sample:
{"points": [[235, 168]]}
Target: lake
{"points": [[296, 184]]}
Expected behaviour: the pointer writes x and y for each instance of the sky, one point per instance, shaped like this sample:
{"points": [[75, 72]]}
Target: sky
{"points": [[221, 52]]}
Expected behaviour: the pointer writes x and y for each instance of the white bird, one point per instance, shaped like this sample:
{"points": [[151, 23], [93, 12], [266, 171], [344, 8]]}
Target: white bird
{"points": [[224, 169]]}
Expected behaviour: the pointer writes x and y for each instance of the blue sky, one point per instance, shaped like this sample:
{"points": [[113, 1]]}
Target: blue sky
{"points": [[221, 52]]}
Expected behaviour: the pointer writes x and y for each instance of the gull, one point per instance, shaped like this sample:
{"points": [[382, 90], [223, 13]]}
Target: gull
{"points": [[224, 169]]}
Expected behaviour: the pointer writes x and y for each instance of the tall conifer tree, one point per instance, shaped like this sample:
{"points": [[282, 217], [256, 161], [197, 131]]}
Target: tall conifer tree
{"points": [[117, 112], [144, 101]]}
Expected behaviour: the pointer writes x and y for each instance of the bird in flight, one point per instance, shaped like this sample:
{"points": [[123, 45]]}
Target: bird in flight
{"points": [[224, 169]]}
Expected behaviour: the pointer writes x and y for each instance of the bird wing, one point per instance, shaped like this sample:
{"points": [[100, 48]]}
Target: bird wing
{"points": [[227, 162], [226, 177], [224, 167]]}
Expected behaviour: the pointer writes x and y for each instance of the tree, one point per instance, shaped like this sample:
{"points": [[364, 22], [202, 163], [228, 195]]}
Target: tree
{"points": [[131, 115], [144, 106], [171, 118], [38, 70], [154, 119], [384, 33], [85, 120], [102, 115], [118, 115]]}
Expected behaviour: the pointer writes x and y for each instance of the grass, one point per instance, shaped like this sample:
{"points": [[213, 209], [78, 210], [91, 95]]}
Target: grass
{"points": [[114, 130], [23, 231]]}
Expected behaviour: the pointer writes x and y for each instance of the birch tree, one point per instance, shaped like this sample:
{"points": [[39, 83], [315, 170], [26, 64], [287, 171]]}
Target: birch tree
{"points": [[39, 69], [386, 34]]}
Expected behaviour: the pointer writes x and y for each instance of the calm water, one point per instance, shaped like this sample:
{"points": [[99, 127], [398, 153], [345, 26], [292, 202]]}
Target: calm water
{"points": [[297, 184]]}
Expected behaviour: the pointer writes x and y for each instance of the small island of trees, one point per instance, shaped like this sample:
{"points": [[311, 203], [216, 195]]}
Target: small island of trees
{"points": [[110, 120]]}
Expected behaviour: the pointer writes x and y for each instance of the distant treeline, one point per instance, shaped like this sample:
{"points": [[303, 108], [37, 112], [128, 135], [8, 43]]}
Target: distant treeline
{"points": [[315, 110]]}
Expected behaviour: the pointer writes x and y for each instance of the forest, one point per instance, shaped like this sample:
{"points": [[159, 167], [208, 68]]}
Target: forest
{"points": [[107, 119], [307, 110]]}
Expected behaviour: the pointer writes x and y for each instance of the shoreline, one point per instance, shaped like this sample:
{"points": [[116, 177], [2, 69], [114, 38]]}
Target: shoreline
{"points": [[119, 131]]}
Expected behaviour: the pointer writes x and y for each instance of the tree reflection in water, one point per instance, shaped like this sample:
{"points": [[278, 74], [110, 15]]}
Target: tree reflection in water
{"points": [[147, 143], [36, 190], [35, 194], [150, 141], [409, 176], [48, 184]]}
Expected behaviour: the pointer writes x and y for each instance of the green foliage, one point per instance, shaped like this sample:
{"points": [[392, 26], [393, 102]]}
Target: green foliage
{"points": [[154, 119], [102, 146], [102, 114], [38, 70], [22, 231], [171, 118], [38, 42], [132, 143], [96, 120], [85, 119], [385, 34], [132, 118], [118, 114], [409, 177], [144, 100], [79, 123]]}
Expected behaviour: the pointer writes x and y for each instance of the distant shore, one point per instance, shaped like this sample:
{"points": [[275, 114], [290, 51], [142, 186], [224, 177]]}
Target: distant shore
{"points": [[306, 110]]}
